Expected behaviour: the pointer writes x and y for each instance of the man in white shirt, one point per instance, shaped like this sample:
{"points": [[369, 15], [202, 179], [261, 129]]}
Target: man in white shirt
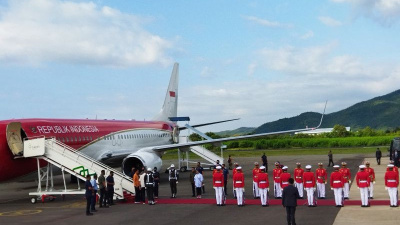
{"points": [[93, 181], [198, 183]]}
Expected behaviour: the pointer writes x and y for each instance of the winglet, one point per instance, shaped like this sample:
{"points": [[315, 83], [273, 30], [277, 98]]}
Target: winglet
{"points": [[322, 117]]}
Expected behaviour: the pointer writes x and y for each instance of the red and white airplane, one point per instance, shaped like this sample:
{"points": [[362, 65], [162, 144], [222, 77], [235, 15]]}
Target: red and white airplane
{"points": [[134, 143]]}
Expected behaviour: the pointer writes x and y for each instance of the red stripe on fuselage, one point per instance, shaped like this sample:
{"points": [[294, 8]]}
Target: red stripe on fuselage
{"points": [[84, 131]]}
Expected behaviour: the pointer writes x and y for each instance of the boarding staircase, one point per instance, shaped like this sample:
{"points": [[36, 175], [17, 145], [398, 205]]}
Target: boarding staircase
{"points": [[68, 159], [202, 152]]}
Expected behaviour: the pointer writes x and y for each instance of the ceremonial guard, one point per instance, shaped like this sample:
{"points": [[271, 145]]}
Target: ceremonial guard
{"points": [[256, 171], [347, 177], [309, 185], [395, 169], [322, 177], [238, 184], [173, 180], [363, 180], [337, 182], [277, 180], [298, 178], [263, 186], [149, 182], [234, 171], [391, 184], [284, 177], [218, 184], [371, 173]]}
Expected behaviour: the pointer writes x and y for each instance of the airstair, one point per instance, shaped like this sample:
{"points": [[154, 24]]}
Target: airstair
{"points": [[204, 153], [68, 159]]}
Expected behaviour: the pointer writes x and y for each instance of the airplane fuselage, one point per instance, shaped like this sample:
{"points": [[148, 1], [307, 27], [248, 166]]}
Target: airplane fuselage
{"points": [[104, 140]]}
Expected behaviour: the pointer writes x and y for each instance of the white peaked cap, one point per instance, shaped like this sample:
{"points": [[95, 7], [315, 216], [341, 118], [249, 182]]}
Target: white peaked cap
{"points": [[390, 165], [308, 167], [149, 169], [172, 165], [362, 166], [239, 168], [218, 167], [262, 167], [285, 168], [336, 166]]}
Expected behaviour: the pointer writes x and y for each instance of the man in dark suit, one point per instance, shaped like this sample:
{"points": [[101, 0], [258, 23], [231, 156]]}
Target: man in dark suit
{"points": [[289, 200]]}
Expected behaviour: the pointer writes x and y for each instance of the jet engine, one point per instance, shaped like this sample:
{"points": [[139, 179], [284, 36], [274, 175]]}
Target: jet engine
{"points": [[148, 159]]}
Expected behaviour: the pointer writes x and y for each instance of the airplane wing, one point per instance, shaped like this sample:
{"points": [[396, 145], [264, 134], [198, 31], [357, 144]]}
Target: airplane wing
{"points": [[187, 145]]}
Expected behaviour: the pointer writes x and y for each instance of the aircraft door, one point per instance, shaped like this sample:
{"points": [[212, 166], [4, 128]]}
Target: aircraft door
{"points": [[15, 135]]}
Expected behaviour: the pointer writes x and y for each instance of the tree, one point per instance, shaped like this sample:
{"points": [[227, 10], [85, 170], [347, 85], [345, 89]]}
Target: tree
{"points": [[339, 131]]}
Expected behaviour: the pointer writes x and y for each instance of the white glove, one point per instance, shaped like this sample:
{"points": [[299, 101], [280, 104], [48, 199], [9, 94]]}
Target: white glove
{"points": [[267, 189], [176, 181], [386, 188], [349, 181], [325, 182], [314, 189], [358, 188], [304, 188], [373, 182], [332, 189]]}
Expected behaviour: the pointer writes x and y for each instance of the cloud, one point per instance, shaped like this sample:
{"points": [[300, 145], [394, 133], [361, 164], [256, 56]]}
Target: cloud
{"points": [[328, 21], [41, 31], [307, 35], [385, 12], [265, 22], [290, 81]]}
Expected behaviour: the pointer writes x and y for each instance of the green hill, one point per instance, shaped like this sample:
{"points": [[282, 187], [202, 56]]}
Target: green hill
{"points": [[378, 113], [236, 132]]}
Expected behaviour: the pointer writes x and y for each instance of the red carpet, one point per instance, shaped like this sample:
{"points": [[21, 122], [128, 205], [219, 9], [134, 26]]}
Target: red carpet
{"points": [[321, 202]]}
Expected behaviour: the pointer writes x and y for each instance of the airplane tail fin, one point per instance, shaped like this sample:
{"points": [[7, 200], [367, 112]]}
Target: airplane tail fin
{"points": [[170, 106]]}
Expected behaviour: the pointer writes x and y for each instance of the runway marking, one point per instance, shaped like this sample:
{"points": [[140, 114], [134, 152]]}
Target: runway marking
{"points": [[73, 205], [20, 212]]}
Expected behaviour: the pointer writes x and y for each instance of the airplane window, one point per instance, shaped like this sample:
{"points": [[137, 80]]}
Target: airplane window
{"points": [[80, 139], [119, 137], [125, 137], [76, 139], [91, 138], [113, 137], [67, 139]]}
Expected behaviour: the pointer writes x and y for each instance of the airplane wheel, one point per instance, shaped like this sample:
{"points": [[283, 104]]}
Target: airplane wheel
{"points": [[33, 200], [183, 169]]}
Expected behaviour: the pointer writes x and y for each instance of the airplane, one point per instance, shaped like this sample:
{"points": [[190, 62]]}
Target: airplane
{"points": [[134, 143]]}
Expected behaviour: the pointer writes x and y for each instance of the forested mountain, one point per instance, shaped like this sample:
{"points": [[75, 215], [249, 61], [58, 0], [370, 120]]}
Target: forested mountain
{"points": [[382, 112]]}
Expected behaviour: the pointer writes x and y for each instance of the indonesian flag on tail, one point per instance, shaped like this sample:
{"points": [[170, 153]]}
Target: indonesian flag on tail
{"points": [[172, 94]]}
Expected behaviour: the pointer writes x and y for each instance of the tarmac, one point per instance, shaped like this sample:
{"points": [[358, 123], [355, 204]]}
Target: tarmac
{"points": [[15, 206]]}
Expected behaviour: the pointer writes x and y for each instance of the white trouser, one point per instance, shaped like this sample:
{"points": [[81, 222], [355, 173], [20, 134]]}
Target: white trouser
{"points": [[338, 195], [300, 188], [392, 195], [364, 195], [234, 190], [346, 190], [218, 194], [263, 195], [239, 195], [371, 190], [277, 190], [310, 196], [321, 190], [256, 192]]}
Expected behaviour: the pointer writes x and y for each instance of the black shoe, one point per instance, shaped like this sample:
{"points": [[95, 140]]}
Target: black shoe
{"points": [[89, 214], [193, 196]]}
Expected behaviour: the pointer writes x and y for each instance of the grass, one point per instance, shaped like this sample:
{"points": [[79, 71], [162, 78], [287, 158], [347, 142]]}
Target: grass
{"points": [[251, 152]]}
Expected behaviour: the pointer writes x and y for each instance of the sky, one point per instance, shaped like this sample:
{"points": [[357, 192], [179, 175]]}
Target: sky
{"points": [[255, 60]]}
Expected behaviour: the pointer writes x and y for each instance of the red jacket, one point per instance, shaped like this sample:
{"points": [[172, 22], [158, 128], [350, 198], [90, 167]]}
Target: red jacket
{"points": [[218, 179], [322, 175], [309, 179], [285, 179], [337, 180], [262, 180], [391, 179], [298, 175], [277, 175], [238, 180], [395, 169], [346, 174], [362, 179], [256, 171], [371, 173]]}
